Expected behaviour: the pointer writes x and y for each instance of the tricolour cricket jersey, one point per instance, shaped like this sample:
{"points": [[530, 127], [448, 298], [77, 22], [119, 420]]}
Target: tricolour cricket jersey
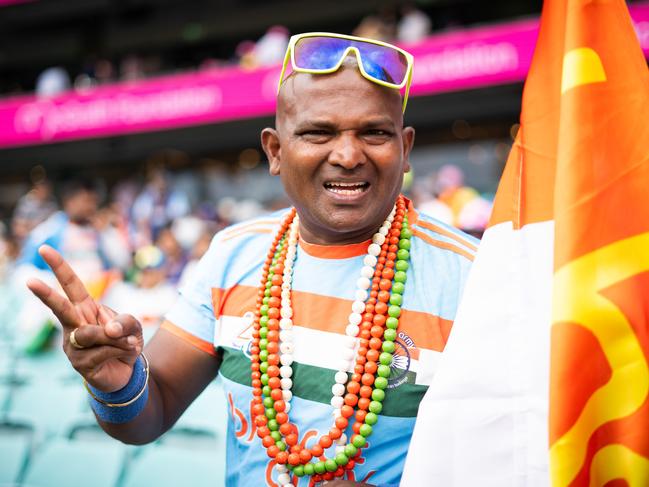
{"points": [[215, 311]]}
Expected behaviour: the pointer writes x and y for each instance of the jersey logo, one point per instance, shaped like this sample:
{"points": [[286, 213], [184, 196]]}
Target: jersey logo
{"points": [[405, 351], [243, 341]]}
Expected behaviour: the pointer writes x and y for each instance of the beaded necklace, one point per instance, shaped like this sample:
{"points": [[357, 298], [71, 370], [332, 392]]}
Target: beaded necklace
{"points": [[371, 331]]}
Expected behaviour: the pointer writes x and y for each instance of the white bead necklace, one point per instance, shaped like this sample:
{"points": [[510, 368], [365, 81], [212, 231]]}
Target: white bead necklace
{"points": [[352, 329]]}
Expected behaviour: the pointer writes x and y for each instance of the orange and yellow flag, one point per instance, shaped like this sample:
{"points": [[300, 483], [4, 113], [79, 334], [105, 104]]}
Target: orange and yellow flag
{"points": [[599, 380], [554, 320]]}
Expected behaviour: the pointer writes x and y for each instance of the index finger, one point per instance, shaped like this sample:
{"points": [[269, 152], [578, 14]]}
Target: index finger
{"points": [[61, 307], [70, 282]]}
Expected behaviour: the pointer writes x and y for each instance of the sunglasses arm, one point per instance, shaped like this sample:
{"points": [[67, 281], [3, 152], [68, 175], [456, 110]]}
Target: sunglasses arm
{"points": [[287, 58], [405, 95]]}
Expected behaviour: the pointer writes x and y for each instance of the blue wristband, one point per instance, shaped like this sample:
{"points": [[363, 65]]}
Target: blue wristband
{"points": [[107, 405]]}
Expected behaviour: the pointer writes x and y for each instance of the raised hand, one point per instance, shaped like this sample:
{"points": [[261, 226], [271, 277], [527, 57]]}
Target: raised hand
{"points": [[104, 345]]}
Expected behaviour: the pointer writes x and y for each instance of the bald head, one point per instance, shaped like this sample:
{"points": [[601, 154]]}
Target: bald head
{"points": [[298, 89]]}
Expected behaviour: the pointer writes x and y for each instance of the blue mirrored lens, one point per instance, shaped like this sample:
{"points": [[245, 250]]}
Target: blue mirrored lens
{"points": [[319, 52], [382, 63]]}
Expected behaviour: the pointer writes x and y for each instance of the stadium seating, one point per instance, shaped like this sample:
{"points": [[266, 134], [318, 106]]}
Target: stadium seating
{"points": [[6, 362], [165, 466], [46, 406], [5, 391], [207, 413], [14, 452], [63, 462], [49, 436], [51, 365]]}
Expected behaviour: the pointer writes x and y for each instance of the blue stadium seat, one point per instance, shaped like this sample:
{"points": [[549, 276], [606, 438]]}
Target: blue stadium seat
{"points": [[5, 391], [208, 413], [47, 365], [14, 453], [46, 406], [10, 305], [71, 463], [7, 363], [164, 466]]}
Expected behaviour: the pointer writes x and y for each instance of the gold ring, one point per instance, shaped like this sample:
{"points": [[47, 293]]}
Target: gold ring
{"points": [[74, 342]]}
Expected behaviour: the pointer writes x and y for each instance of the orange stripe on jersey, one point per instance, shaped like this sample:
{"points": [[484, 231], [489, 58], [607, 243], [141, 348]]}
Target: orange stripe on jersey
{"points": [[246, 230], [188, 337], [329, 314], [238, 300], [335, 251], [254, 223], [445, 328], [442, 245], [447, 233]]}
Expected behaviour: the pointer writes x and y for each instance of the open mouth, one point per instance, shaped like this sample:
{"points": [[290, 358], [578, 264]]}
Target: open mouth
{"points": [[347, 188]]}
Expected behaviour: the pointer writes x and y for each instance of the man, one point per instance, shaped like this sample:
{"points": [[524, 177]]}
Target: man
{"points": [[157, 206], [33, 208], [341, 150], [148, 297], [70, 232]]}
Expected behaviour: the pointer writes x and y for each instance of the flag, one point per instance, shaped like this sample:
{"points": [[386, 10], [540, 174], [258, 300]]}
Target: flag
{"points": [[544, 379]]}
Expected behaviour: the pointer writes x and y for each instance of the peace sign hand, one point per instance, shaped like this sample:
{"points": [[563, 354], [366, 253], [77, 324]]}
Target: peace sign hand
{"points": [[107, 344]]}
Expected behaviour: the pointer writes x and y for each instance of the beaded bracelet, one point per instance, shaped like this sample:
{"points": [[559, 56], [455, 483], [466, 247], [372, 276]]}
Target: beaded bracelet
{"points": [[123, 405]]}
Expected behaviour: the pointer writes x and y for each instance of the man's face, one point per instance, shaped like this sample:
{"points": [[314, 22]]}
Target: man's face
{"points": [[81, 207], [341, 151]]}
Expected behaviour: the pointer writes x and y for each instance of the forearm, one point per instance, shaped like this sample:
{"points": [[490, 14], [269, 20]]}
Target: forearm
{"points": [[173, 385]]}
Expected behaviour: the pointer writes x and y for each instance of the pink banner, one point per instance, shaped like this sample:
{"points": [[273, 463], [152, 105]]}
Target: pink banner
{"points": [[459, 60], [147, 105], [474, 58]]}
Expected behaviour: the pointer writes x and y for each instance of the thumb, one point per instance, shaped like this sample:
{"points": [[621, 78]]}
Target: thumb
{"points": [[123, 325]]}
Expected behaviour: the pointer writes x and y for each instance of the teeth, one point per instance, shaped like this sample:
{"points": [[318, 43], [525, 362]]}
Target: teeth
{"points": [[345, 191], [345, 185], [346, 188]]}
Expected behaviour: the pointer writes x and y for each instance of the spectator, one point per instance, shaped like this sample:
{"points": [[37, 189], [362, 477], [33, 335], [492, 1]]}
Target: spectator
{"points": [[199, 248], [114, 236], [156, 206], [187, 231], [131, 68], [414, 25], [70, 232], [175, 256], [270, 49], [245, 53], [33, 208], [378, 27], [52, 81], [149, 297]]}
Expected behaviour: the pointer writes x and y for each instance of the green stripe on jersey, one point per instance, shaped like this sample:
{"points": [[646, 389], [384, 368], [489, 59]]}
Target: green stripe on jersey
{"points": [[314, 384]]}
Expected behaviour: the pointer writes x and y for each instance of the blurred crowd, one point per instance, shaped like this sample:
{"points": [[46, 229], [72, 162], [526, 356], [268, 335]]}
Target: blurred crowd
{"points": [[408, 25], [134, 250], [444, 195]]}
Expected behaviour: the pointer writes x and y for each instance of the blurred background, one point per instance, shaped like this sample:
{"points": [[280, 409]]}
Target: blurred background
{"points": [[129, 135]]}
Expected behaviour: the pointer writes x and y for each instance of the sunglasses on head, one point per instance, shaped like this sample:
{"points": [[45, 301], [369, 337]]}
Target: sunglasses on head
{"points": [[323, 52]]}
